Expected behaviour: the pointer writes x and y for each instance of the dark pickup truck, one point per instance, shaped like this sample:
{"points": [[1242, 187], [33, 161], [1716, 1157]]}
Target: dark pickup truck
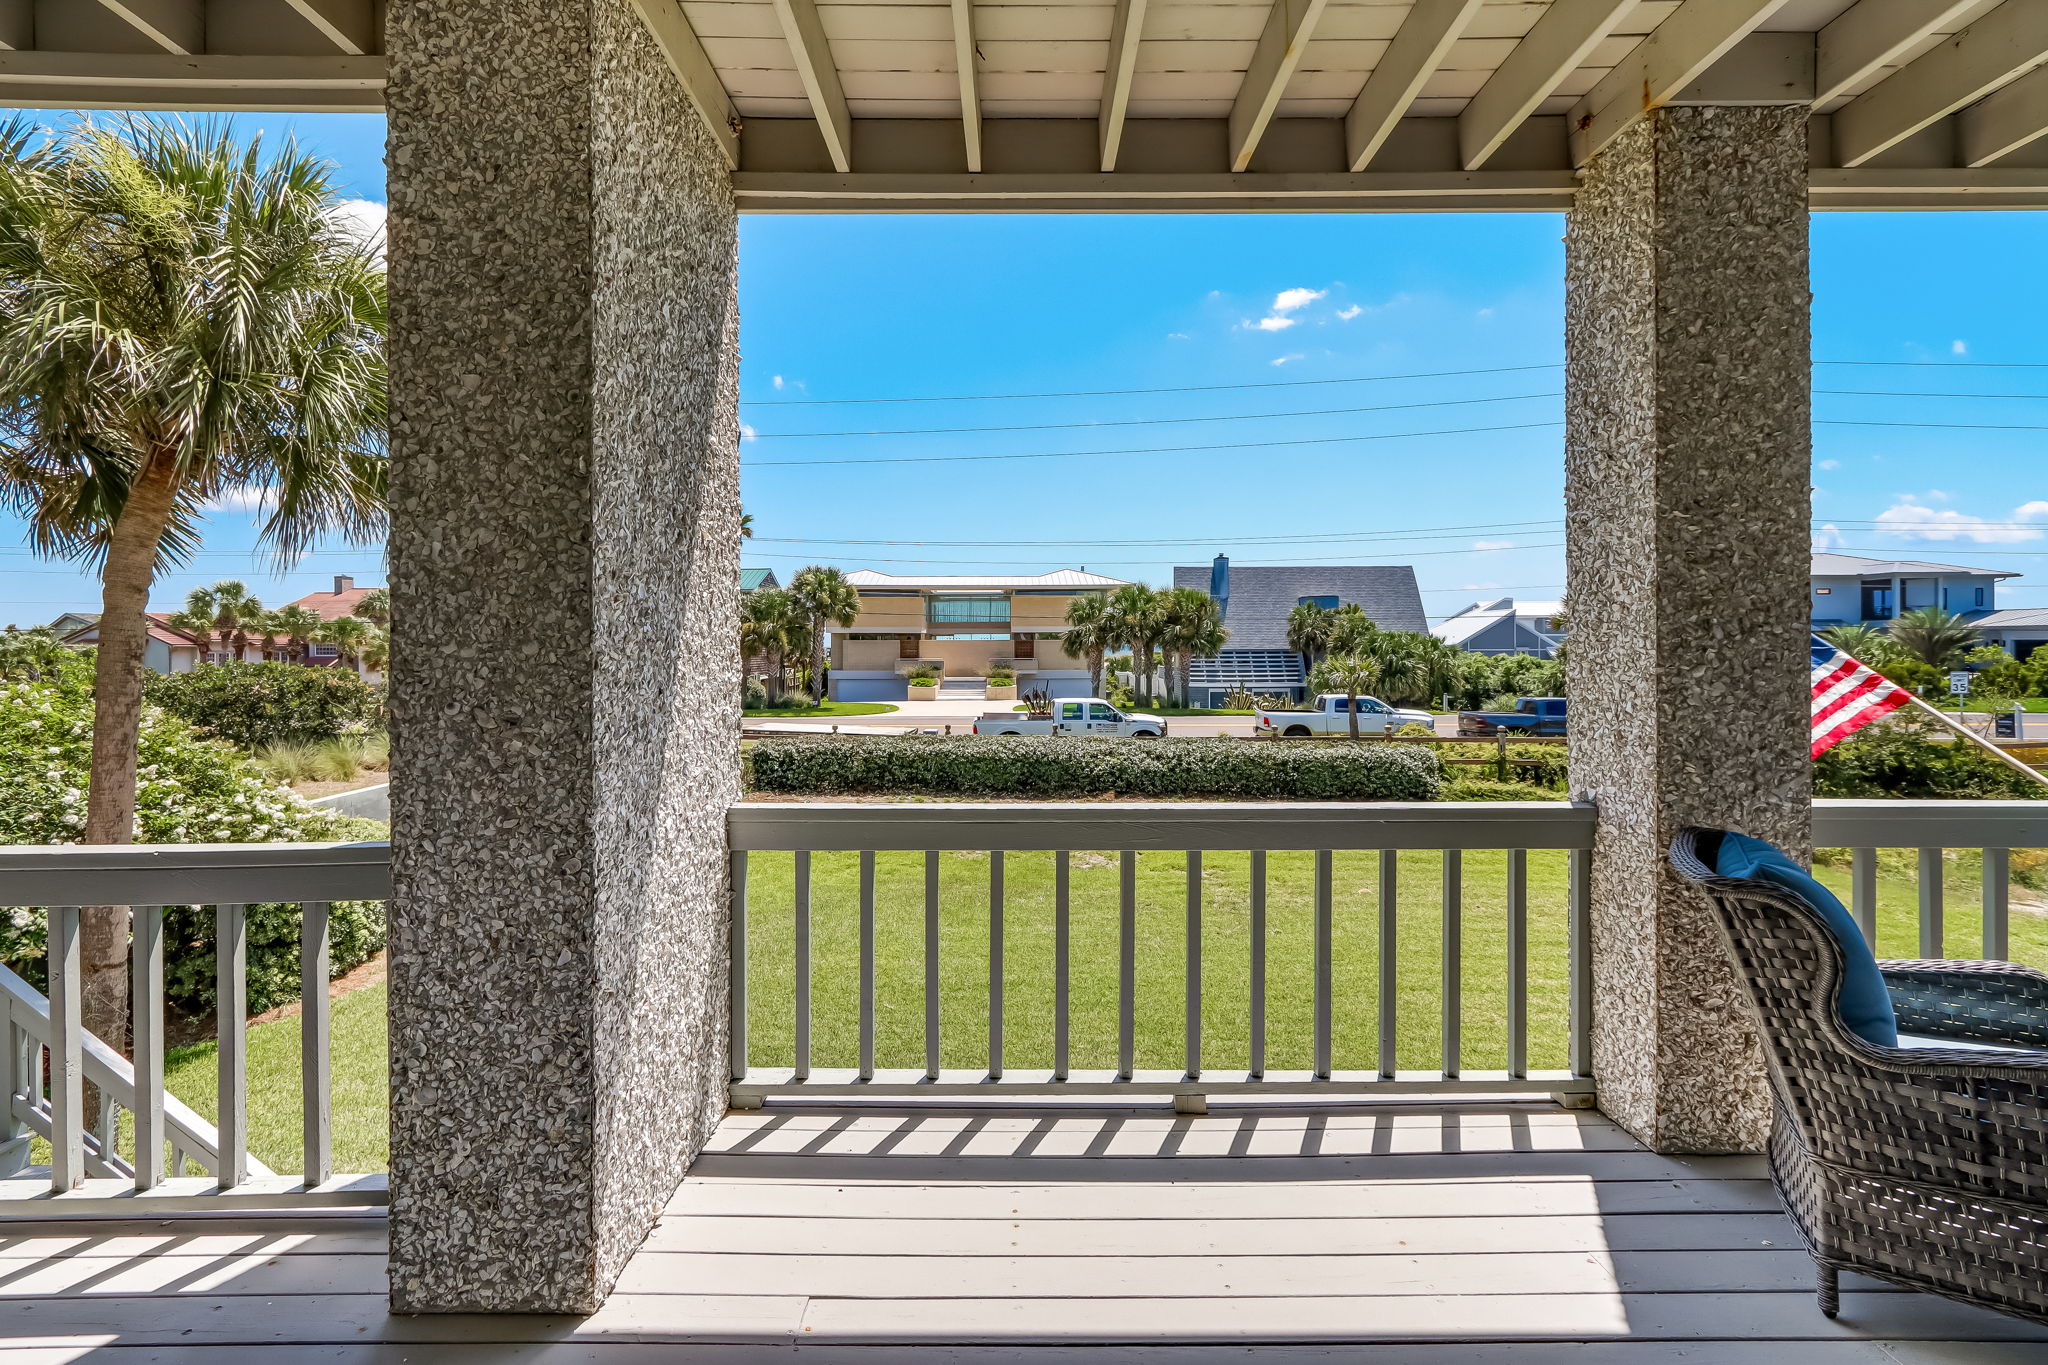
{"points": [[1531, 716]]}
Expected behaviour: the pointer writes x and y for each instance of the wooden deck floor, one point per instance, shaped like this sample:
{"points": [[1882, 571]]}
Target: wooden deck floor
{"points": [[1518, 1234]]}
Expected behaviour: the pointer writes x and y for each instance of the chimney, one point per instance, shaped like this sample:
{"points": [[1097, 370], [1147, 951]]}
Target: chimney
{"points": [[1219, 584], [342, 582]]}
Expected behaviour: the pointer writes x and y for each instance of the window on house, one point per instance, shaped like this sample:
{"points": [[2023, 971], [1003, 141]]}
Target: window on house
{"points": [[323, 651], [970, 608], [1916, 593], [1329, 602], [1877, 600]]}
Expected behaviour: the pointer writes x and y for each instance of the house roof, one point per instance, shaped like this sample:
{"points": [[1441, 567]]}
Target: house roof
{"points": [[753, 580], [1456, 630], [1058, 578], [159, 629], [1827, 564], [332, 606], [1261, 595], [2014, 618]]}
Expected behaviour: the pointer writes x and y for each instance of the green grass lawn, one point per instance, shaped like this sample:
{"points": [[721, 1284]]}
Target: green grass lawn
{"points": [[360, 1076], [824, 708]]}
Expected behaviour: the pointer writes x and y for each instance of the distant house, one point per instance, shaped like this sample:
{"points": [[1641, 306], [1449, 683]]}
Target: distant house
{"points": [[753, 580], [1851, 590], [2020, 630], [1504, 626], [1256, 601], [331, 606], [168, 649]]}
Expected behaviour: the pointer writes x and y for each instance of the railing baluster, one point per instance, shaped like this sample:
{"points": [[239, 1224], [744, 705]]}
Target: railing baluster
{"points": [[1390, 978], [1931, 936], [1863, 892], [1323, 1029], [146, 1006], [1997, 891], [736, 934], [1127, 965], [1061, 952], [1194, 968], [1518, 963], [1257, 1065], [16, 1137], [231, 1007], [67, 1073], [1579, 932], [1453, 967], [931, 964], [316, 1084], [995, 964], [803, 965], [867, 965]]}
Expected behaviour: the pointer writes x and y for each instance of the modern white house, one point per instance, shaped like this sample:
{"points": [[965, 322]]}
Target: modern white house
{"points": [[1504, 626], [1853, 590], [2018, 630]]}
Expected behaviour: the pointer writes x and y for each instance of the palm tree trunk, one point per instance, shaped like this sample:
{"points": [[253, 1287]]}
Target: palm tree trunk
{"points": [[116, 729], [1095, 657], [1351, 705]]}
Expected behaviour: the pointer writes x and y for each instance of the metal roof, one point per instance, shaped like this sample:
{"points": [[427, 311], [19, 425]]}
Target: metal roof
{"points": [[1058, 578], [1171, 105], [1827, 564], [1261, 595], [752, 580], [2012, 618], [1456, 630]]}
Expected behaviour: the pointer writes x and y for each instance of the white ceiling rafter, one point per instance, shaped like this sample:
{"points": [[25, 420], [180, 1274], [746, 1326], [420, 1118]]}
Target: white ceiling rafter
{"points": [[812, 53], [1282, 42], [1999, 46], [351, 25], [966, 61], [1872, 35], [2004, 121], [1418, 49], [1696, 35], [1126, 30], [176, 26], [1558, 45]]}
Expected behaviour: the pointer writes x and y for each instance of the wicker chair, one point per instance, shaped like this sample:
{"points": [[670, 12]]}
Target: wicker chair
{"points": [[1923, 1166]]}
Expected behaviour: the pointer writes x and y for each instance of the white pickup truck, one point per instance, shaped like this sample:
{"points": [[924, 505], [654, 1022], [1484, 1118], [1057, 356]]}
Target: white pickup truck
{"points": [[1074, 716], [1332, 716]]}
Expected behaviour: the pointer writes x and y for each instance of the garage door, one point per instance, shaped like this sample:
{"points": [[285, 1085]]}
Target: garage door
{"points": [[870, 689]]}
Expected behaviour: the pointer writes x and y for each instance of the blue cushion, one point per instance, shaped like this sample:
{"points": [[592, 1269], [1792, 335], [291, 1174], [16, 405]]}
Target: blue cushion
{"points": [[1864, 1004]]}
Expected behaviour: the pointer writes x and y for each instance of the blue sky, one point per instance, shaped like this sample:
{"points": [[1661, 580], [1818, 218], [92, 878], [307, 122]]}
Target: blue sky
{"points": [[1254, 315]]}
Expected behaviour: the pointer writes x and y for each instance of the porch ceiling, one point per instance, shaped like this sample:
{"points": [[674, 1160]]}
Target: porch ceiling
{"points": [[1161, 105]]}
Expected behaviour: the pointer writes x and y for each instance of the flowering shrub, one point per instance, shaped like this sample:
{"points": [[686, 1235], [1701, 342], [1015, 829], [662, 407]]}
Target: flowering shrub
{"points": [[256, 705], [188, 791]]}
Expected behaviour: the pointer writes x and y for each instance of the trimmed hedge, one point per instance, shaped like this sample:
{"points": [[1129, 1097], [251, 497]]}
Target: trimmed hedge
{"points": [[1040, 766]]}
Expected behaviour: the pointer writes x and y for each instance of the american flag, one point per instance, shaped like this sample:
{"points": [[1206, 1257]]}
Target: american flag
{"points": [[1847, 696]]}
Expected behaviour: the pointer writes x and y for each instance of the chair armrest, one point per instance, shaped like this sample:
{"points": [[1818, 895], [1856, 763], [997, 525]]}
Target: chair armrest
{"points": [[1985, 1002]]}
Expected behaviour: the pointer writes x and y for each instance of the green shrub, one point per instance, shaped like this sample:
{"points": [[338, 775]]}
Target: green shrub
{"points": [[1048, 766], [256, 705], [1001, 677], [1488, 789], [753, 695], [1902, 759], [923, 678], [188, 790]]}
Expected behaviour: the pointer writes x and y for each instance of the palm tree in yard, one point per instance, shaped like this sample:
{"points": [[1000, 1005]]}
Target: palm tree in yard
{"points": [[297, 626], [348, 635], [234, 609], [771, 629], [1352, 673], [1308, 631], [1864, 644], [1937, 638], [374, 606], [1192, 628], [1135, 616], [1091, 635], [182, 318], [824, 598], [375, 650]]}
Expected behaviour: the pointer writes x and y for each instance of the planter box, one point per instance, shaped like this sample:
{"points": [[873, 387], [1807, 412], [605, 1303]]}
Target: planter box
{"points": [[1002, 693], [927, 693]]}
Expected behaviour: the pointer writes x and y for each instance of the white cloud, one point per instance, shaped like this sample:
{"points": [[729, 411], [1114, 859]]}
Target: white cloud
{"points": [[1275, 323], [1178, 336], [1911, 518], [1346, 314], [1493, 545], [1477, 587], [778, 381], [1830, 464], [364, 218], [1483, 313], [245, 498], [1957, 347], [1826, 536], [1293, 300], [1284, 359], [747, 432]]}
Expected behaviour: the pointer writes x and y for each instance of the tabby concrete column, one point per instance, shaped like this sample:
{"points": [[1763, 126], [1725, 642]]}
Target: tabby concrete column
{"points": [[564, 565], [1686, 505]]}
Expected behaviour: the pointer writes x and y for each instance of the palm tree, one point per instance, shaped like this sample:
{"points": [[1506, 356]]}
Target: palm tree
{"points": [[264, 627], [1940, 639], [1349, 672], [348, 635], [746, 526], [1090, 635], [375, 651], [1191, 628], [374, 606], [235, 610], [1864, 644], [182, 317], [1308, 631], [1134, 616], [196, 619], [298, 626], [770, 628], [824, 598]]}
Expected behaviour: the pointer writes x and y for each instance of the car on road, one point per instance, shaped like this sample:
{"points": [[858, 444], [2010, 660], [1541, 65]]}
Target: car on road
{"points": [[1531, 716], [1332, 716], [1074, 716]]}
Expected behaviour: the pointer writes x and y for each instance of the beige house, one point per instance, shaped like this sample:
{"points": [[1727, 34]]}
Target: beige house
{"points": [[961, 626]]}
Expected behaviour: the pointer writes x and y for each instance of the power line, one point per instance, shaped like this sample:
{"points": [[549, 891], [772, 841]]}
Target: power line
{"points": [[1930, 426], [1421, 532], [1407, 554], [1902, 393], [1120, 393]]}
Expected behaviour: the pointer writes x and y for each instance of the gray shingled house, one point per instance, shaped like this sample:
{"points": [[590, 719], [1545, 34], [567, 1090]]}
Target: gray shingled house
{"points": [[1256, 601]]}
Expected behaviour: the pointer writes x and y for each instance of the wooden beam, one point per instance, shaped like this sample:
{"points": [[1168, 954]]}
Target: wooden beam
{"points": [[17, 24], [1289, 26], [351, 25], [694, 72], [1964, 69], [86, 71], [1871, 35], [2003, 121], [1418, 49], [177, 26], [820, 77], [1125, 32], [964, 58], [1693, 38], [1558, 45]]}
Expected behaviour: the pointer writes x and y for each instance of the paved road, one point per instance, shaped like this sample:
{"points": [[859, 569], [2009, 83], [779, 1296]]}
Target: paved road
{"points": [[961, 718]]}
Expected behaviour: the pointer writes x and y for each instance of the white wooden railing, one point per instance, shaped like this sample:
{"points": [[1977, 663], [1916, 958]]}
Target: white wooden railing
{"points": [[51, 1058], [1931, 828]]}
